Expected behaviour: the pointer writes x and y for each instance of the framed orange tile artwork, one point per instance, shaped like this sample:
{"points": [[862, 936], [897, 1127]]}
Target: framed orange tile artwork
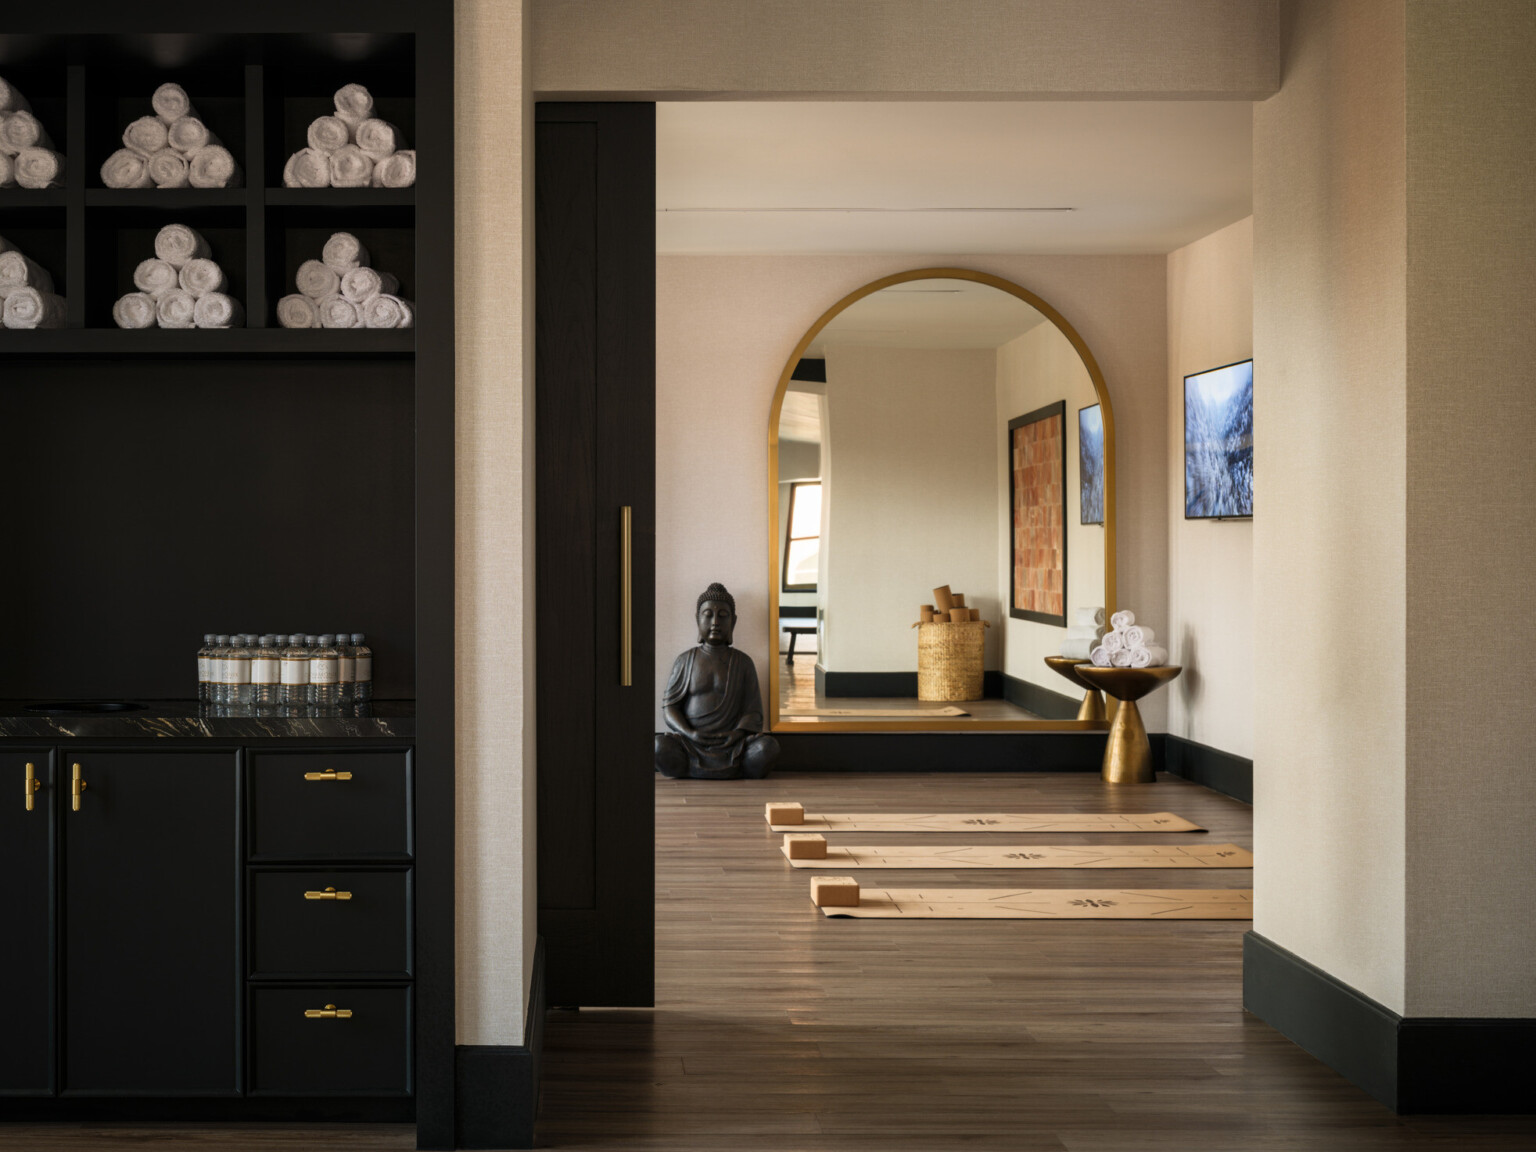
{"points": [[1037, 486]]}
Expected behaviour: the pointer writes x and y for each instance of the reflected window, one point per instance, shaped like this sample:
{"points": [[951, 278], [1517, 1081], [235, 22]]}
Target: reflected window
{"points": [[802, 543]]}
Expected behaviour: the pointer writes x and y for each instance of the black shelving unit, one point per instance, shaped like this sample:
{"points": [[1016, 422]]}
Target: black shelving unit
{"points": [[167, 482]]}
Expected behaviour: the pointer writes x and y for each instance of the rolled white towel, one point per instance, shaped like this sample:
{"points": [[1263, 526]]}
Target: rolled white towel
{"points": [[20, 130], [378, 138], [316, 280], [1113, 641], [216, 310], [385, 311], [354, 103], [1152, 656], [344, 252], [307, 168], [338, 312], [396, 171], [1077, 649], [176, 309], [171, 103], [199, 277], [176, 244], [362, 284], [146, 136], [328, 133], [188, 134], [1139, 636], [1100, 657], [168, 169], [30, 308], [39, 168], [350, 168], [1120, 658], [17, 271], [153, 277], [136, 310], [7, 171], [126, 169], [12, 100], [298, 311], [213, 166], [1088, 616], [1120, 621]]}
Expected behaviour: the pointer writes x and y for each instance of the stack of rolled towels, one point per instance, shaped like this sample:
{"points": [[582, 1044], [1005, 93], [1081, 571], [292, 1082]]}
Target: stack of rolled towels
{"points": [[1083, 636], [352, 149], [181, 287], [171, 149], [27, 156], [1128, 645], [26, 292], [340, 290]]}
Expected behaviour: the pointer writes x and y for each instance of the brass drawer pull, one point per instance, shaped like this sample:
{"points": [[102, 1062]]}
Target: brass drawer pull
{"points": [[33, 784], [328, 894], [329, 774], [329, 1012], [77, 788]]}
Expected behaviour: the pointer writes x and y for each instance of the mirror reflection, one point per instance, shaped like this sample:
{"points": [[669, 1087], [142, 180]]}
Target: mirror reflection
{"points": [[941, 521]]}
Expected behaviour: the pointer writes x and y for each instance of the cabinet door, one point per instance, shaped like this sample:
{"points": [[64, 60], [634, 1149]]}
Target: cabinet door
{"points": [[150, 911], [26, 962]]}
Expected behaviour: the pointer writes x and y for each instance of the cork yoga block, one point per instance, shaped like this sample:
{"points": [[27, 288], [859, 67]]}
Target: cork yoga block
{"points": [[957, 600], [835, 892], [785, 812], [942, 600], [805, 846]]}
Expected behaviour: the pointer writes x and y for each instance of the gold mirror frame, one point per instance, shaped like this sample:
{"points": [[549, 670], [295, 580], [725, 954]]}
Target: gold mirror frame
{"points": [[888, 725]]}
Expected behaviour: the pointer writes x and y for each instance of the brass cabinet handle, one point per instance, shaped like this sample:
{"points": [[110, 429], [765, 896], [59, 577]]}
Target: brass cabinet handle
{"points": [[329, 774], [77, 788], [33, 784], [329, 1012], [626, 597], [328, 894]]}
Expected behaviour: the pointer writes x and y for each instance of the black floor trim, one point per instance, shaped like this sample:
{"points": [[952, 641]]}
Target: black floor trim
{"points": [[1413, 1065], [497, 1089], [1041, 701], [941, 751], [1201, 764]]}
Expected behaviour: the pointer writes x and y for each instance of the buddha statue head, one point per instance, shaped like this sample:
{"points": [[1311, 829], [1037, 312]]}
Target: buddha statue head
{"points": [[716, 616]]}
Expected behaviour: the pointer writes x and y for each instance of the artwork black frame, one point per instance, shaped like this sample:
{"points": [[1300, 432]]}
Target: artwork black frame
{"points": [[1206, 372], [1082, 507], [1058, 410]]}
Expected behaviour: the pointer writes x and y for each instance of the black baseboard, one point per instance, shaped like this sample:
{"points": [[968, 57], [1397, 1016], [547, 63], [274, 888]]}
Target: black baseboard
{"points": [[940, 751], [903, 684], [1412, 1065], [1201, 764], [1041, 701], [497, 1086]]}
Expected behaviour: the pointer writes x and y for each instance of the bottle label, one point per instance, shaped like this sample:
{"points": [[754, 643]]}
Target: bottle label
{"points": [[264, 670], [346, 668], [238, 671], [204, 669], [295, 669], [323, 671], [364, 670]]}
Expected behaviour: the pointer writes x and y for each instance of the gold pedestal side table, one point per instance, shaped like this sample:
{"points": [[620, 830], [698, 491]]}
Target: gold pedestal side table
{"points": [[1093, 703], [1128, 754]]}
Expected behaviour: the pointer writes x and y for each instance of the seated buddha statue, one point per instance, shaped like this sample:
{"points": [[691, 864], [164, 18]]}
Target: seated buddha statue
{"points": [[712, 704]]}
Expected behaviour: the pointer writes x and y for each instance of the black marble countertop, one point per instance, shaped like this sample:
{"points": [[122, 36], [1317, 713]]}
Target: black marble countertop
{"points": [[186, 718]]}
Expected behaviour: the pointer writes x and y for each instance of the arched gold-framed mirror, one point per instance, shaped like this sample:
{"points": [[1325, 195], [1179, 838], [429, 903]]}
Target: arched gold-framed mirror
{"points": [[893, 441]]}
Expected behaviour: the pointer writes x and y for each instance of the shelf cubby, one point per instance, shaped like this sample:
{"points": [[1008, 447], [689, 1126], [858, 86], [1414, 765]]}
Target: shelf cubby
{"points": [[119, 238], [41, 237]]}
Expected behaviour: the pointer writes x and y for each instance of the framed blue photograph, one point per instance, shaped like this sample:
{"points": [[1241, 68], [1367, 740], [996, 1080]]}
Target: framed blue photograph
{"points": [[1218, 443], [1090, 464]]}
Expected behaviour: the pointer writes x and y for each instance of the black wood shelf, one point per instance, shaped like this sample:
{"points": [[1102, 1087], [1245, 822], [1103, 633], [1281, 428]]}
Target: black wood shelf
{"points": [[207, 344], [31, 198], [341, 197], [168, 199]]}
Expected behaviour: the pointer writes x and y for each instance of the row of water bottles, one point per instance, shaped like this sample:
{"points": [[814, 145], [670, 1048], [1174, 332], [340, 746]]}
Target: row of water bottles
{"points": [[287, 671]]}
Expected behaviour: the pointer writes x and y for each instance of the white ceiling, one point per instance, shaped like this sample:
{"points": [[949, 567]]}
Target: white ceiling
{"points": [[929, 314], [1140, 177]]}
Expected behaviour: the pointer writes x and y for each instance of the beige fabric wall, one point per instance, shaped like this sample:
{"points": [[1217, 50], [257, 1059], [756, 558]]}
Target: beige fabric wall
{"points": [[1330, 494], [909, 490], [726, 325], [925, 49], [494, 632], [1033, 370], [1210, 580], [1471, 502]]}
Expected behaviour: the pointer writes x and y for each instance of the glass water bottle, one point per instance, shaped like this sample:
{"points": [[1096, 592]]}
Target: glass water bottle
{"points": [[266, 674], [295, 674], [362, 658], [205, 669], [346, 669], [324, 674]]}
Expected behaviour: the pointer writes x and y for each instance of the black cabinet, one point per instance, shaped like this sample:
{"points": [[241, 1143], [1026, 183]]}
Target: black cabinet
{"points": [[150, 922], [26, 934]]}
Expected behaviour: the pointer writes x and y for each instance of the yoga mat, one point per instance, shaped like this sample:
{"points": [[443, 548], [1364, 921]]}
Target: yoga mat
{"points": [[859, 713], [993, 822], [1050, 904], [1033, 856]]}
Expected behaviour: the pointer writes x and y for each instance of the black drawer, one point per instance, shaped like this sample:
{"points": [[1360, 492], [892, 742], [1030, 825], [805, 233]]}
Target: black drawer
{"points": [[331, 923], [366, 1054], [330, 805]]}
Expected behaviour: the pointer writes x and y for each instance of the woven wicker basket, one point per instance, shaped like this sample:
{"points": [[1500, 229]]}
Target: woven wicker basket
{"points": [[949, 658]]}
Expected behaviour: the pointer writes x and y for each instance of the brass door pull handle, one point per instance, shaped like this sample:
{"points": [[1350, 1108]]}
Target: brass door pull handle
{"points": [[329, 774], [76, 787], [626, 597], [33, 784], [329, 1012], [328, 894]]}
